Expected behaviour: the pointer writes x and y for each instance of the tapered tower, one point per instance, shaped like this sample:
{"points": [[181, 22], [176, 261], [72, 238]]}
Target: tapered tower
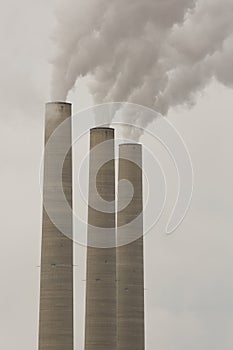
{"points": [[100, 330]]}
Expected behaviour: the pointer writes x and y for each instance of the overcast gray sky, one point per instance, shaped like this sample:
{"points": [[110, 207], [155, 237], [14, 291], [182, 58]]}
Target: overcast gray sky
{"points": [[189, 284]]}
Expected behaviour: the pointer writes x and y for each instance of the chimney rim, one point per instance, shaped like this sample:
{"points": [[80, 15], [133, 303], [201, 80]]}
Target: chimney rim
{"points": [[58, 103], [102, 128]]}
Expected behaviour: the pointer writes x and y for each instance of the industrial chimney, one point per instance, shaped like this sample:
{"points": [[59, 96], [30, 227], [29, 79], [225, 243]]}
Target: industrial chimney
{"points": [[56, 286], [129, 253], [100, 330]]}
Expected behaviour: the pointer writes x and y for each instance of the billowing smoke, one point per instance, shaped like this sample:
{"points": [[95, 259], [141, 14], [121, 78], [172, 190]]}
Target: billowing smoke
{"points": [[158, 53]]}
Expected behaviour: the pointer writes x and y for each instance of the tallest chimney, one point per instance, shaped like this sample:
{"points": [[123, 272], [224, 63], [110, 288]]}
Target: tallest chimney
{"points": [[56, 286]]}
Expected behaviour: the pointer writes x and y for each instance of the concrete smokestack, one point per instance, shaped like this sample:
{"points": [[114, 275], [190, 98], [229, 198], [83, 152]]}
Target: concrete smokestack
{"points": [[130, 266], [56, 287], [100, 330]]}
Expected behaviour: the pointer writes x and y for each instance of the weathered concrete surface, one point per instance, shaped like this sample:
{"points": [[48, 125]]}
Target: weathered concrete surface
{"points": [[100, 330], [56, 287], [130, 270]]}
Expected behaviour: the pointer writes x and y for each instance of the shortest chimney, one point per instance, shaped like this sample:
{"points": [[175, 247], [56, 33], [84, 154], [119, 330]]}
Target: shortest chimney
{"points": [[129, 253]]}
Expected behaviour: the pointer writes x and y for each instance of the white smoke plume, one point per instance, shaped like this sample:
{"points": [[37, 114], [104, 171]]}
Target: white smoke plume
{"points": [[158, 53]]}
